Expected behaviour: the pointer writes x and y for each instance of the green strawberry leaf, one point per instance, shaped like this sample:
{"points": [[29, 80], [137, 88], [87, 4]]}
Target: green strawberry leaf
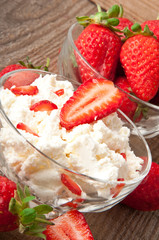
{"points": [[113, 11], [26, 191], [14, 206], [27, 216], [43, 209], [113, 21], [28, 199], [136, 27], [20, 193]]}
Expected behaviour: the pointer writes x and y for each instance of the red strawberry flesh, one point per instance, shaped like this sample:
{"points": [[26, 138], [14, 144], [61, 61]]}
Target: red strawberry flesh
{"points": [[71, 225], [24, 127], [43, 105], [70, 184], [22, 78], [8, 221], [146, 196], [93, 100], [25, 90]]}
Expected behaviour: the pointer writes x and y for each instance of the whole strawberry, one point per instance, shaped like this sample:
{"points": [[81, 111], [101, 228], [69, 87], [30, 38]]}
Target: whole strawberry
{"points": [[146, 196], [140, 59], [153, 26], [8, 221], [131, 108], [99, 45]]}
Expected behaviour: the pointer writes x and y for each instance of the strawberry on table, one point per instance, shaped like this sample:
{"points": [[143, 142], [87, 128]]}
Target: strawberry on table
{"points": [[15, 212], [93, 100], [8, 221], [98, 44], [140, 59], [146, 196], [69, 226]]}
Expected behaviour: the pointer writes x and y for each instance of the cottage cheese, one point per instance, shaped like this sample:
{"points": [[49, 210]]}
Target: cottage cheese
{"points": [[91, 149]]}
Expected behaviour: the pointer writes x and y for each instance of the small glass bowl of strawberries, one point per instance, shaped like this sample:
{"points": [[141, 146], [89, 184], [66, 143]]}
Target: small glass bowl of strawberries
{"points": [[108, 46], [68, 142]]}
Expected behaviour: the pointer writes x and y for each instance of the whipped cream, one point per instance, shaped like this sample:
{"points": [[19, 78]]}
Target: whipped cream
{"points": [[91, 149]]}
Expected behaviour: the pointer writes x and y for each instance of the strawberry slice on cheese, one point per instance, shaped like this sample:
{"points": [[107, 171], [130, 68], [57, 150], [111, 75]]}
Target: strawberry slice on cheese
{"points": [[43, 105], [93, 100]]}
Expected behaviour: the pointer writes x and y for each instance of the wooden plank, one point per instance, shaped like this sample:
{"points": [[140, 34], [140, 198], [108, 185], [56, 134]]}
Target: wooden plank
{"points": [[137, 11]]}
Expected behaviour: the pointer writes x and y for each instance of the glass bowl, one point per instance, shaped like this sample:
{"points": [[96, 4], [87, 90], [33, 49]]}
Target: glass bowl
{"points": [[68, 60], [90, 193]]}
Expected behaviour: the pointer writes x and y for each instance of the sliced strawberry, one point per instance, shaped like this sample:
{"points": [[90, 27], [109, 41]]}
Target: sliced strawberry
{"points": [[59, 92], [117, 189], [74, 203], [24, 127], [93, 100], [70, 184], [21, 79], [43, 105], [25, 90], [124, 155], [71, 225]]}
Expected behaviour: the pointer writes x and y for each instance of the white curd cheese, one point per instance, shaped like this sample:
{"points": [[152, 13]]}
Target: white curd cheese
{"points": [[91, 149]]}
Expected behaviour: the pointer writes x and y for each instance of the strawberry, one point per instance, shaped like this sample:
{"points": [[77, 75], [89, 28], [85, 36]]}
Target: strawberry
{"points": [[155, 100], [25, 90], [69, 226], [59, 92], [123, 23], [15, 212], [140, 59], [43, 105], [11, 68], [93, 100], [24, 127], [8, 221], [70, 184], [117, 189], [21, 78], [132, 109], [99, 45], [153, 26], [146, 196]]}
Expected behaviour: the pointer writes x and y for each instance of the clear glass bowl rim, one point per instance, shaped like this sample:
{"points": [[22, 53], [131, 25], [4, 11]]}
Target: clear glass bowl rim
{"points": [[73, 26], [128, 182]]}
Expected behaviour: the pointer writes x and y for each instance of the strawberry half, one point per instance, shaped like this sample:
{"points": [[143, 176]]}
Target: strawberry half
{"points": [[43, 105], [93, 100], [70, 184], [21, 79], [69, 226], [24, 127], [25, 90]]}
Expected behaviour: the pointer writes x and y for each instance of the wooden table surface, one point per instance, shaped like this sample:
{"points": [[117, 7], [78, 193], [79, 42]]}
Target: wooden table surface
{"points": [[37, 28]]}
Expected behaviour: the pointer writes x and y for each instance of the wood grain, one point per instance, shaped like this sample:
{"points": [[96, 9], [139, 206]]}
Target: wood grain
{"points": [[37, 28], [136, 11]]}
